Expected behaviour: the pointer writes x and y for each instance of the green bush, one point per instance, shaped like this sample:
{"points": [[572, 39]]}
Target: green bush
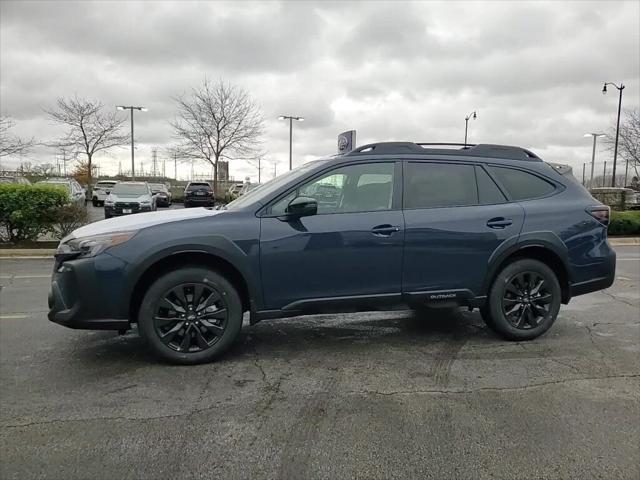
{"points": [[625, 223], [67, 218], [27, 211]]}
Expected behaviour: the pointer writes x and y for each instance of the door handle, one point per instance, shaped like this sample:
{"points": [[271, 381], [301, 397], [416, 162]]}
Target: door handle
{"points": [[384, 230], [499, 222]]}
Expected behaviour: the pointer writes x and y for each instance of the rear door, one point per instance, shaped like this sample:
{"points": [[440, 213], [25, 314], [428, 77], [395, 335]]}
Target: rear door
{"points": [[455, 218]]}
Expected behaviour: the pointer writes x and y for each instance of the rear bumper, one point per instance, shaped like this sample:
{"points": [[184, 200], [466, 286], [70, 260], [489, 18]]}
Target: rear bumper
{"points": [[605, 275], [86, 293], [199, 200]]}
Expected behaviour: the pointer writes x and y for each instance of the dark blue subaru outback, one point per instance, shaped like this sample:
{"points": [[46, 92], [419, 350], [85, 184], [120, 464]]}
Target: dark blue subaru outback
{"points": [[386, 226]]}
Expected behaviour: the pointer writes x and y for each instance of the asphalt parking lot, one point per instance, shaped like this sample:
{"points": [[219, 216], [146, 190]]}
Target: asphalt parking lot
{"points": [[379, 395]]}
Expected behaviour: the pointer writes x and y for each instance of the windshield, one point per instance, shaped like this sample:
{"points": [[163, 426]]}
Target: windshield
{"points": [[266, 189], [158, 187], [129, 189], [105, 184]]}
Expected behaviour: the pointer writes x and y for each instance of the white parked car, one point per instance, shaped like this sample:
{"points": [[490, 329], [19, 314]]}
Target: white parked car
{"points": [[100, 191]]}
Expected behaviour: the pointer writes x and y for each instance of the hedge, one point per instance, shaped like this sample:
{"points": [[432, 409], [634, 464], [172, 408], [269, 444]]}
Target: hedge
{"points": [[625, 223], [28, 211]]}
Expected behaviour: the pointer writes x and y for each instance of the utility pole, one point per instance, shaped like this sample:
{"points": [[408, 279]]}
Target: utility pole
{"points": [[291, 119], [154, 160], [131, 109], [604, 175], [584, 166], [473, 115], [615, 148], [175, 166]]}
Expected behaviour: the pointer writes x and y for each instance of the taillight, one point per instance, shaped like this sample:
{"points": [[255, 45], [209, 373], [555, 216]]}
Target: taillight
{"points": [[602, 213]]}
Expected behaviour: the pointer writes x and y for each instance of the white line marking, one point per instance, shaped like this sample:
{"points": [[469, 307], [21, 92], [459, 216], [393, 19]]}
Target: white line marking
{"points": [[19, 277], [13, 317]]}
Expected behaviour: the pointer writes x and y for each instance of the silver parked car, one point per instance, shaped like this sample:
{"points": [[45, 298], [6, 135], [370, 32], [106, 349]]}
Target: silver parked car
{"points": [[77, 195]]}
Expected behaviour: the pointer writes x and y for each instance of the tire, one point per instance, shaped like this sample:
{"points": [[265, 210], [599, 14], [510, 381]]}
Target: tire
{"points": [[524, 300], [95, 202], [106, 215], [187, 340]]}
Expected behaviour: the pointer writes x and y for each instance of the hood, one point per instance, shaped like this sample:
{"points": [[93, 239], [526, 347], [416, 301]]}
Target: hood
{"points": [[140, 220], [129, 198]]}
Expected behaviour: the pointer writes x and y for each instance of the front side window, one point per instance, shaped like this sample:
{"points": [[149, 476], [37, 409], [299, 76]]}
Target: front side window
{"points": [[430, 185], [354, 188], [522, 185]]}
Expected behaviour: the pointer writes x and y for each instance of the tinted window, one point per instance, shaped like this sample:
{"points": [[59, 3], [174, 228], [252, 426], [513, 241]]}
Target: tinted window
{"points": [[439, 185], [522, 185], [488, 191], [356, 188]]}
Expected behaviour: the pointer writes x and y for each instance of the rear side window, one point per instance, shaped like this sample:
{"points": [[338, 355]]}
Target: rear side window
{"points": [[439, 185], [522, 185], [488, 191]]}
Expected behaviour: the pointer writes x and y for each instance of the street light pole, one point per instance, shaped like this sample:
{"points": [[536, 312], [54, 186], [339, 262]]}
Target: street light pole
{"points": [[593, 153], [131, 109], [291, 119], [473, 115], [615, 148]]}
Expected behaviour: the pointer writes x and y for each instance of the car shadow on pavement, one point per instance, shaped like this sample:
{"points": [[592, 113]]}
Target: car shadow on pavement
{"points": [[317, 334]]}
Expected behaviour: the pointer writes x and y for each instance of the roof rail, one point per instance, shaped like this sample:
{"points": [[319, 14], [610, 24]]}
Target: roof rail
{"points": [[470, 150]]}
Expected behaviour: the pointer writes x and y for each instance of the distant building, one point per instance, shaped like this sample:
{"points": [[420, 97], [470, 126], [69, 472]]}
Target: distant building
{"points": [[223, 171]]}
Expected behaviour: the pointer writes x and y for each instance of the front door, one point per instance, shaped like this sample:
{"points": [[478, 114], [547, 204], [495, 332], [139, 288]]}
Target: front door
{"points": [[351, 248]]}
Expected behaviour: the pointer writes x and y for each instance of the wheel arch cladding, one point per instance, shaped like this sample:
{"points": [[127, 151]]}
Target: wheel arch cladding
{"points": [[542, 254], [181, 260]]}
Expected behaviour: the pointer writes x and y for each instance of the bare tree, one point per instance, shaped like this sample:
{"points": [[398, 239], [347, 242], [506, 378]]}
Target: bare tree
{"points": [[90, 128], [629, 139], [10, 144], [218, 121]]}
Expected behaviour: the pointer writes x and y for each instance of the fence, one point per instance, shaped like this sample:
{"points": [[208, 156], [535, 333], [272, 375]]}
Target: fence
{"points": [[603, 172]]}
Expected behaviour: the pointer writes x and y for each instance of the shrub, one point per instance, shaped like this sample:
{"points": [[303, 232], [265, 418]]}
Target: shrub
{"points": [[67, 218], [625, 223], [27, 211]]}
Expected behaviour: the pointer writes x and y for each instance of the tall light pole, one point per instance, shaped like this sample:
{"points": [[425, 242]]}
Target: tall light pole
{"points": [[593, 153], [291, 119], [615, 148], [473, 115], [131, 108]]}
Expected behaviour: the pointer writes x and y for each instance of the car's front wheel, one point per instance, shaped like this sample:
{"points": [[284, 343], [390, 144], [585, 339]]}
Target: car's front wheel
{"points": [[524, 300], [190, 315]]}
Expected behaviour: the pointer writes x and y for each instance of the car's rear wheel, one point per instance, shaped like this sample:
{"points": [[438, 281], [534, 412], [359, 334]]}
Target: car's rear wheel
{"points": [[95, 202], [191, 315], [524, 300]]}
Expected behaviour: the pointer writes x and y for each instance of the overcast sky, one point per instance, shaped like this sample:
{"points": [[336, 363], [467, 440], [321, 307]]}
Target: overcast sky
{"points": [[391, 71]]}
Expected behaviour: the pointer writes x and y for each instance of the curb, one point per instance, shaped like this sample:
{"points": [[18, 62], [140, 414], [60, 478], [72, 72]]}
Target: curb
{"points": [[625, 241], [27, 252]]}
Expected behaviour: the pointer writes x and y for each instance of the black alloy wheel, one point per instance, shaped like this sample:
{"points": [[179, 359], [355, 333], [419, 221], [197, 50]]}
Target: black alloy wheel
{"points": [[191, 317], [524, 300]]}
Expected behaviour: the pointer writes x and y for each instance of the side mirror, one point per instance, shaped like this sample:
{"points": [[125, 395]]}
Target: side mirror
{"points": [[302, 207]]}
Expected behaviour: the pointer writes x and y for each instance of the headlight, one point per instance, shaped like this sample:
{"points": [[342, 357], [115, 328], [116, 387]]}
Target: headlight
{"points": [[92, 246], [145, 203], [109, 203]]}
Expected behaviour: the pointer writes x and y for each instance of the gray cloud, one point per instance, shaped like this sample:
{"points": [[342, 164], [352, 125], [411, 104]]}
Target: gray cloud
{"points": [[392, 70]]}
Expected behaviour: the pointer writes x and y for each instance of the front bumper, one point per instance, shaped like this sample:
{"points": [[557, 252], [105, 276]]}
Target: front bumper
{"points": [[117, 211], [87, 293]]}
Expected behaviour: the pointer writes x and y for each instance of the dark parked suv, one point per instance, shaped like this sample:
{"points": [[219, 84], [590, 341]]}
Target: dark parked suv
{"points": [[198, 194], [415, 225]]}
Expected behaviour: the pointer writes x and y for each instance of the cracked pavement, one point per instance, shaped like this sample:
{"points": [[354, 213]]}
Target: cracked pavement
{"points": [[373, 395]]}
